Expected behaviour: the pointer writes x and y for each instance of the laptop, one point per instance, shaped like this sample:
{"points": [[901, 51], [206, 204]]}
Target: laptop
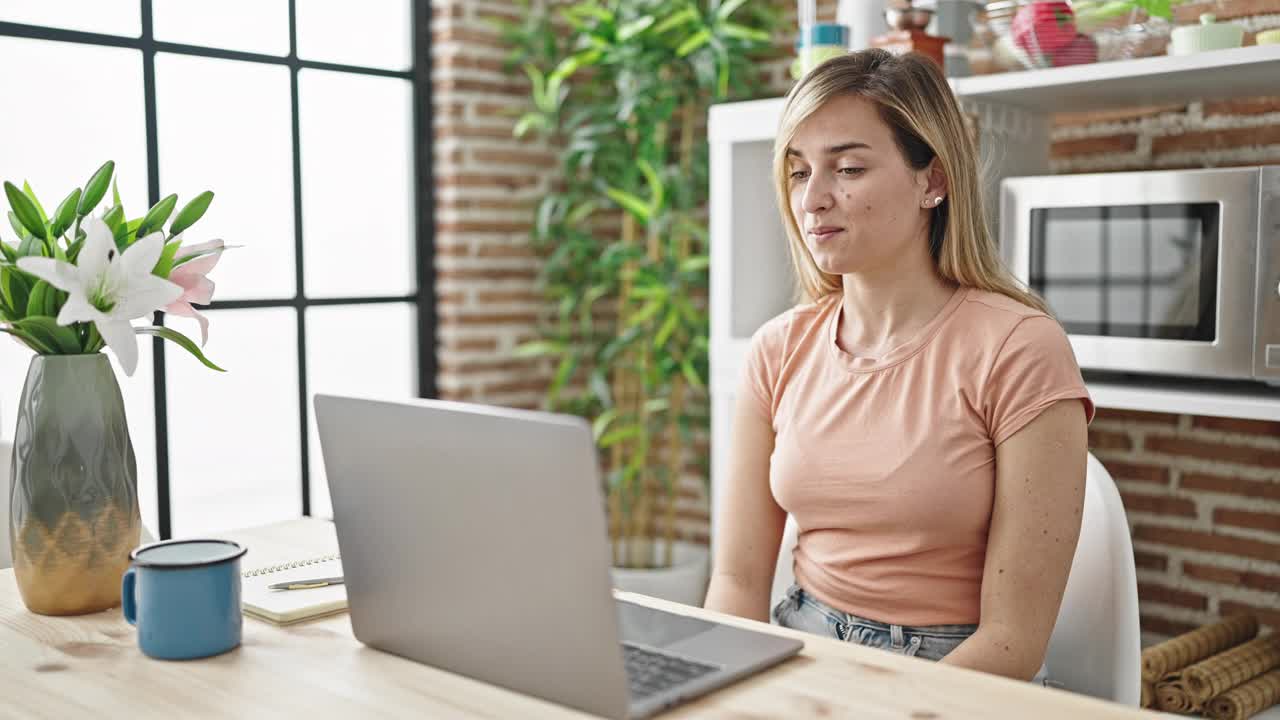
{"points": [[474, 540]]}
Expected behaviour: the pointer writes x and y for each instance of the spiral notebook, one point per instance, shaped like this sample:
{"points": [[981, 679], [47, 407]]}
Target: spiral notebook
{"points": [[285, 607]]}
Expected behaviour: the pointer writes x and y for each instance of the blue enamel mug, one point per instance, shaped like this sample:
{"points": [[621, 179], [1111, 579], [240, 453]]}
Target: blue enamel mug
{"points": [[184, 597]]}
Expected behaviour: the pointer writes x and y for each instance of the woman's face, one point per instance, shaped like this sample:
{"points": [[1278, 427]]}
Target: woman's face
{"points": [[858, 205]]}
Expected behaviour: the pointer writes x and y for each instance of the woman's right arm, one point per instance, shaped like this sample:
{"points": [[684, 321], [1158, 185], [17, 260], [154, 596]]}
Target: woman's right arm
{"points": [[749, 524]]}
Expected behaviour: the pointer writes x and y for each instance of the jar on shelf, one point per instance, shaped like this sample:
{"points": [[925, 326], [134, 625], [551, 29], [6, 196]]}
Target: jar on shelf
{"points": [[824, 41]]}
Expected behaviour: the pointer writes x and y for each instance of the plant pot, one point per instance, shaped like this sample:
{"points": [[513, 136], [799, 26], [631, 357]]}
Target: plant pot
{"points": [[73, 514], [684, 582]]}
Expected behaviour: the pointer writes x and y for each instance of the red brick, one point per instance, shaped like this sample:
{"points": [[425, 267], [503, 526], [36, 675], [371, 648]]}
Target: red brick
{"points": [[1246, 519], [1238, 425], [513, 88], [451, 298], [1267, 616], [1136, 416], [1113, 116], [1267, 490], [1216, 139], [1093, 146], [508, 183], [472, 132], [481, 318], [1235, 578], [1207, 542], [466, 203], [1163, 626], [484, 226], [542, 160], [510, 296], [1150, 561], [468, 36], [454, 61], [1165, 595], [1189, 13], [490, 12], [1158, 504], [1243, 106], [517, 386], [1214, 450], [453, 250], [469, 367], [1141, 473], [1105, 440], [469, 344], [529, 274], [439, 11], [496, 250]]}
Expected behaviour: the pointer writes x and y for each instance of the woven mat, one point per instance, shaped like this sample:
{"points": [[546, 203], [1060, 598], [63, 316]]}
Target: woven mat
{"points": [[1183, 650]]}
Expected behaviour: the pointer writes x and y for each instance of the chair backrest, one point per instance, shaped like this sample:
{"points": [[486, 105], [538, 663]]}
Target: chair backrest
{"points": [[1095, 648]]}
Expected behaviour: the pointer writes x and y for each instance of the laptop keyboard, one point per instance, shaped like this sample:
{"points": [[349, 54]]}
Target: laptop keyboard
{"points": [[652, 672]]}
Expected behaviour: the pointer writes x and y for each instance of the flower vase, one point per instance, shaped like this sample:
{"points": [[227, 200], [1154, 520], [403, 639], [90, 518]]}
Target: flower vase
{"points": [[73, 515]]}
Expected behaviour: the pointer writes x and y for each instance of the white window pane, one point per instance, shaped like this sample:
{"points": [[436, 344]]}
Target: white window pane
{"points": [[58, 149], [225, 126], [367, 350], [138, 392], [260, 26], [109, 17], [373, 33], [357, 180], [233, 437]]}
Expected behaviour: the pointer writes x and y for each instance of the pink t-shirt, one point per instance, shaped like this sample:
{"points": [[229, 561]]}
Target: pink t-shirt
{"points": [[888, 465]]}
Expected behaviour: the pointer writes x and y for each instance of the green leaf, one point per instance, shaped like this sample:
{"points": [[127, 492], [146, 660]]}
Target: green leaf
{"points": [[25, 210], [180, 340], [164, 265], [61, 339], [580, 213], [156, 217], [31, 246], [619, 435], [646, 312], [601, 423], [696, 263], [728, 8], [65, 214], [95, 189], [743, 32], [10, 253], [530, 119], [568, 364], [630, 203], [690, 374], [31, 195], [634, 28], [656, 188], [191, 212], [114, 219], [538, 348], [18, 228], [675, 19], [668, 327], [693, 42], [15, 286], [115, 193], [73, 250], [43, 300], [29, 340]]}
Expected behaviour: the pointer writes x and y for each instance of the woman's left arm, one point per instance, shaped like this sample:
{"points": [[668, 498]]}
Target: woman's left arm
{"points": [[1035, 522]]}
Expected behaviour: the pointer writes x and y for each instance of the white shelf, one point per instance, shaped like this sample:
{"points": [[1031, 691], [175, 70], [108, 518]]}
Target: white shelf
{"points": [[1239, 72], [1248, 402]]}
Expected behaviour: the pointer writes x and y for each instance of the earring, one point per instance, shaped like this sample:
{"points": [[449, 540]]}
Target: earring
{"points": [[937, 201]]}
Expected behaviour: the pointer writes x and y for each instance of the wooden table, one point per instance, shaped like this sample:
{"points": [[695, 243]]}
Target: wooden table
{"points": [[90, 666]]}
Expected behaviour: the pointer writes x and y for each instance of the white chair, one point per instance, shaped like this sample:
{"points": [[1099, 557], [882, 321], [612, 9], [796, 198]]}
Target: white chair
{"points": [[1095, 648]]}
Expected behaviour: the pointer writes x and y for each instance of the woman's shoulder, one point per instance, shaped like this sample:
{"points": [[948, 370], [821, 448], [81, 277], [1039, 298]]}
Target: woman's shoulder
{"points": [[794, 322]]}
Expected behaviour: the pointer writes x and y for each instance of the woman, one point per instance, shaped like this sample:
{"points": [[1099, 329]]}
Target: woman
{"points": [[922, 417]]}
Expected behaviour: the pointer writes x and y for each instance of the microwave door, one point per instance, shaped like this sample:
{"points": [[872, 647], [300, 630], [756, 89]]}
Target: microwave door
{"points": [[1135, 273]]}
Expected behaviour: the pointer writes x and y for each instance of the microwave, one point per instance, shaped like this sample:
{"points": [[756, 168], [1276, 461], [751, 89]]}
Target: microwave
{"points": [[1167, 272]]}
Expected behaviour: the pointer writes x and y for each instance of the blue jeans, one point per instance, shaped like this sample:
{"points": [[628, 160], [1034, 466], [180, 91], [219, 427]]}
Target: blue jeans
{"points": [[801, 611]]}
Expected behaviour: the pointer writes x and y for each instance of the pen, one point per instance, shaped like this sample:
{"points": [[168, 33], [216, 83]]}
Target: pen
{"points": [[306, 584]]}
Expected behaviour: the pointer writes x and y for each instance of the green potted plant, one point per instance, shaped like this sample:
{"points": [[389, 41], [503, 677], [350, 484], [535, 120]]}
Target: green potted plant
{"points": [[621, 90], [70, 286]]}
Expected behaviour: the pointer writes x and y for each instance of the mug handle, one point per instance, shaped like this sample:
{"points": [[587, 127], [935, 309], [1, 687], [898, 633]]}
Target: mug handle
{"points": [[129, 604]]}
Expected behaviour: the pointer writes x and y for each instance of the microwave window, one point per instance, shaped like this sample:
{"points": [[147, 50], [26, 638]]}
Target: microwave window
{"points": [[1142, 271]]}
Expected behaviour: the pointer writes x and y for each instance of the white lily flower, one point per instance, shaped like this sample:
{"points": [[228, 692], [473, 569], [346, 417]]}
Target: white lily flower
{"points": [[109, 288]]}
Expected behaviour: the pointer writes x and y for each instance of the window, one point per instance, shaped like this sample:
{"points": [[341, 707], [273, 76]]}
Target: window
{"points": [[297, 114]]}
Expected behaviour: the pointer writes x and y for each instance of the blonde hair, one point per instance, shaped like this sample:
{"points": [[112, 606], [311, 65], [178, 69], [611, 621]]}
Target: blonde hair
{"points": [[914, 100]]}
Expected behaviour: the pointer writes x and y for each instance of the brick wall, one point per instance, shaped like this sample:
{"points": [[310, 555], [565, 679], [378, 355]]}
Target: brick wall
{"points": [[1203, 494]]}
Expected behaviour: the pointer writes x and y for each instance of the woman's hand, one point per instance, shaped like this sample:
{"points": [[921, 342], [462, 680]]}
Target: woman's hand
{"points": [[1035, 522]]}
